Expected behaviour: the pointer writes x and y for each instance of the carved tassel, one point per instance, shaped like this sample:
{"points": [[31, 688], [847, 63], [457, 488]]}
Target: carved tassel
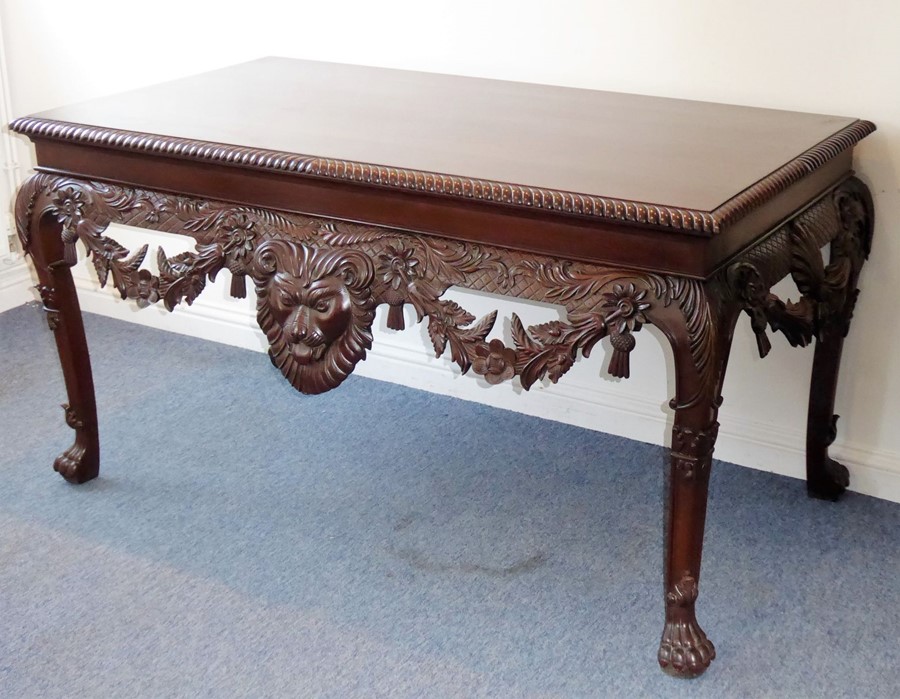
{"points": [[758, 322], [238, 285], [763, 344], [620, 365], [395, 319], [70, 255]]}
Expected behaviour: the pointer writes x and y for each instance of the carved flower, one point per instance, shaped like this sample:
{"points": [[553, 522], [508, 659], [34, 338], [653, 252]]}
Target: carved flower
{"points": [[147, 288], [151, 212], [495, 362], [151, 206], [625, 305], [156, 207], [69, 203], [397, 266], [240, 238]]}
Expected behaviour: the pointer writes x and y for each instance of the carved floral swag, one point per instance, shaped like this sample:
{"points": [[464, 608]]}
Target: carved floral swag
{"points": [[417, 270]]}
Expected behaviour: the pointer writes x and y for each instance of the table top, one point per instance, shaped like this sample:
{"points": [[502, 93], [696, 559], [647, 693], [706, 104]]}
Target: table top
{"points": [[672, 163]]}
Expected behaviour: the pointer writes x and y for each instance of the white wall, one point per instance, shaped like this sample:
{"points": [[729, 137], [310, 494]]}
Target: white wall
{"points": [[804, 55], [14, 277]]}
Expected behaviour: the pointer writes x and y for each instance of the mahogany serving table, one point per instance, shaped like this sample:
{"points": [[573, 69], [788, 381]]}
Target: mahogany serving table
{"points": [[334, 189]]}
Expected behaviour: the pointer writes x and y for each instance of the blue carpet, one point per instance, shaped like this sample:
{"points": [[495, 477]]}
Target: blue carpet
{"points": [[377, 541]]}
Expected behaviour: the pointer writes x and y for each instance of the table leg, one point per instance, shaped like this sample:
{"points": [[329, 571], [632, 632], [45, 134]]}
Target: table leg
{"points": [[684, 649], [42, 235], [825, 477]]}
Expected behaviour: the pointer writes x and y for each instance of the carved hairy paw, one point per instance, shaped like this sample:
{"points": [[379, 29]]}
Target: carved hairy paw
{"points": [[832, 483], [77, 464], [684, 650]]}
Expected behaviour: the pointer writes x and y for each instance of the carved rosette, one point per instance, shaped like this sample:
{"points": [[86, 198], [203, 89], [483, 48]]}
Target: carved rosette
{"points": [[397, 268], [386, 266]]}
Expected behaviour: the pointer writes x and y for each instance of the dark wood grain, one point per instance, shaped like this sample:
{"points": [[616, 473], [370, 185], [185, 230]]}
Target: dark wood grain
{"points": [[668, 162], [621, 210]]}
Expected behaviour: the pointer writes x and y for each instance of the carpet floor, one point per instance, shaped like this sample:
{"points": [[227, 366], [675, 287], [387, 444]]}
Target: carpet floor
{"points": [[244, 540]]}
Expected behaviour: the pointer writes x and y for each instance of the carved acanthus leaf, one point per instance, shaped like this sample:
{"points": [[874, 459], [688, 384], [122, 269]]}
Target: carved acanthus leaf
{"points": [[124, 272], [199, 216], [564, 283], [450, 262], [227, 235], [342, 235], [464, 341], [126, 201], [521, 338], [807, 268], [183, 277], [691, 298], [450, 325], [25, 207], [104, 255], [550, 349], [794, 320]]}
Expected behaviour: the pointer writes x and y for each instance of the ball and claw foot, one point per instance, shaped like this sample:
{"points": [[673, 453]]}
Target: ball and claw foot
{"points": [[832, 483], [77, 465], [684, 650]]}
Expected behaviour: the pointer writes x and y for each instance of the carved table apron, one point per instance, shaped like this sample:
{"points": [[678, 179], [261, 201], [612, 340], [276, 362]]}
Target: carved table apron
{"points": [[324, 240]]}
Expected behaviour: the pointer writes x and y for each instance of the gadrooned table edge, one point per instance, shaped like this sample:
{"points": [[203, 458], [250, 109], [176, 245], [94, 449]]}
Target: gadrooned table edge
{"points": [[516, 195]]}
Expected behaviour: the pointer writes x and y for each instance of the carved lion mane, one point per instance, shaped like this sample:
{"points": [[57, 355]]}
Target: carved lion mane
{"points": [[315, 307]]}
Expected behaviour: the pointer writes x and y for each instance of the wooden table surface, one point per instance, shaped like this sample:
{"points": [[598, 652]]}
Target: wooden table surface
{"points": [[667, 152]]}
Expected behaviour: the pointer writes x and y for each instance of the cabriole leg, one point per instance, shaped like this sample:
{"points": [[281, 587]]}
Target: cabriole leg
{"points": [[42, 236], [825, 477], [845, 218], [684, 649]]}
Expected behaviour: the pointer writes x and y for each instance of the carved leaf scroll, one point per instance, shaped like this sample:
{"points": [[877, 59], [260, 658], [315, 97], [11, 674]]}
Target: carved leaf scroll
{"points": [[227, 234], [183, 277], [405, 268], [828, 292], [550, 349]]}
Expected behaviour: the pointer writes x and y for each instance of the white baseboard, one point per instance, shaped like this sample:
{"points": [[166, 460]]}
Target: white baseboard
{"points": [[16, 285], [767, 447], [764, 447]]}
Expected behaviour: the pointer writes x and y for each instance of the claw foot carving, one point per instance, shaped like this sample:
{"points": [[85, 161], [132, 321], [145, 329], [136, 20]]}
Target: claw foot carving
{"points": [[80, 462], [684, 650], [77, 464], [832, 483]]}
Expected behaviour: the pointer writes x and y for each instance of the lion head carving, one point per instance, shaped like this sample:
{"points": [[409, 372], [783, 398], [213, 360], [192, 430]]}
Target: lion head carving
{"points": [[316, 309]]}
